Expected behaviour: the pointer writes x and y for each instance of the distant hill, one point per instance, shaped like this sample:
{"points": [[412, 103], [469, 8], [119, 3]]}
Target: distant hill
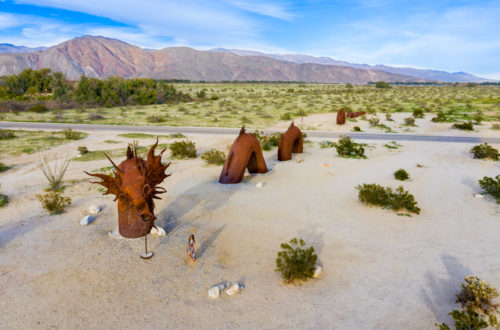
{"points": [[103, 57], [433, 75], [10, 48]]}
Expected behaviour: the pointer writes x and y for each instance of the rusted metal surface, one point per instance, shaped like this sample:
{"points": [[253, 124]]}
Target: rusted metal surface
{"points": [[351, 114], [244, 153], [341, 117], [135, 185], [291, 142]]}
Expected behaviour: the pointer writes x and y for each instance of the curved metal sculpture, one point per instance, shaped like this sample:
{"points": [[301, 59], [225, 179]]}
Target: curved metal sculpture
{"points": [[244, 153], [351, 114], [341, 117], [291, 141], [135, 186]]}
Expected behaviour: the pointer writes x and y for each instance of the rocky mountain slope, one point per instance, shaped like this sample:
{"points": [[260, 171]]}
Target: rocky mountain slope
{"points": [[103, 57]]}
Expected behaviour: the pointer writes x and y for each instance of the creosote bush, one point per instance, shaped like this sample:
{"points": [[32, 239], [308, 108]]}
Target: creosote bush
{"points": [[285, 116], [155, 119], [183, 149], [465, 126], [38, 108], [267, 141], [348, 148], [483, 151], [214, 157], [374, 194], [4, 200], [476, 299], [491, 186], [54, 175], [6, 134], [356, 129], [440, 117], [295, 262], [418, 113], [72, 135], [83, 150], [401, 174], [54, 202], [374, 121], [409, 121], [4, 167]]}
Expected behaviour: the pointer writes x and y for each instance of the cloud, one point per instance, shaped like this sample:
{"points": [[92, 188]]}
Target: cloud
{"points": [[9, 21], [275, 10]]}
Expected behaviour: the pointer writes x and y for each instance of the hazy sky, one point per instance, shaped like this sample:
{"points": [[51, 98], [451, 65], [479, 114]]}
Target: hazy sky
{"points": [[445, 35]]}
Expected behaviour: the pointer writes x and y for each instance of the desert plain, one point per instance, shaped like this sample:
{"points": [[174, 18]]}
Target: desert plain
{"points": [[381, 269]]}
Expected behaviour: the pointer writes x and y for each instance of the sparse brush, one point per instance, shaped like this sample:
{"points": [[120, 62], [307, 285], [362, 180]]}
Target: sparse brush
{"points": [[374, 122], [267, 141], [356, 129], [374, 194], [155, 119], [418, 113], [38, 108], [183, 149], [54, 202], [54, 175], [477, 296], [484, 151], [72, 135], [83, 150], [409, 121], [440, 117], [286, 116], [6, 134], [465, 126], [4, 199], [401, 175], [214, 157], [4, 167], [349, 149], [295, 262], [491, 186]]}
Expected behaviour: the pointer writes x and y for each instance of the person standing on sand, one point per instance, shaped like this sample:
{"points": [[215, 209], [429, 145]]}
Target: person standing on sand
{"points": [[191, 248]]}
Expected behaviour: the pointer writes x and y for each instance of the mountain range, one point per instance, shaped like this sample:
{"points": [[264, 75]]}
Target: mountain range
{"points": [[102, 57]]}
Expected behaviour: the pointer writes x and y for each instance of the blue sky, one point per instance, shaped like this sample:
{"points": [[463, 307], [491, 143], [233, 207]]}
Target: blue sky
{"points": [[445, 35]]}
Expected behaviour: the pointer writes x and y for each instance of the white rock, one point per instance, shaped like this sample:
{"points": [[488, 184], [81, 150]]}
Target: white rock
{"points": [[87, 220], [115, 234], [94, 209], [478, 196], [158, 231], [259, 184], [317, 271], [215, 291], [235, 288]]}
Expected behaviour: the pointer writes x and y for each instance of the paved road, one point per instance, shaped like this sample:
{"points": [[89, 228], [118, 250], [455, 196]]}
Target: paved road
{"points": [[234, 131]]}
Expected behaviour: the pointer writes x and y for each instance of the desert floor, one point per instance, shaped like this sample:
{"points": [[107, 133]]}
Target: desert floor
{"points": [[381, 270]]}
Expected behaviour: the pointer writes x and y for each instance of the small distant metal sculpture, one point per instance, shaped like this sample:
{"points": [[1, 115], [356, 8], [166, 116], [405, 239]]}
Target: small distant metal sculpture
{"points": [[351, 114], [244, 153], [135, 186], [341, 117], [291, 141]]}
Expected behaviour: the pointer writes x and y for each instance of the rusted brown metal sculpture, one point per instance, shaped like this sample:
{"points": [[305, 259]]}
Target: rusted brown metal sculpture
{"points": [[244, 153], [351, 114], [135, 185], [341, 117], [291, 141]]}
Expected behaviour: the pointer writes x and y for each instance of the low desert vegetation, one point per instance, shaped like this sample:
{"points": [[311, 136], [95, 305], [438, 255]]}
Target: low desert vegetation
{"points": [[374, 194], [6, 134], [401, 175], [4, 167], [418, 113], [356, 129], [214, 157], [54, 202], [349, 149], [393, 145], [326, 144], [4, 199], [491, 186], [478, 307], [183, 149], [440, 117], [267, 141], [295, 262], [484, 151], [82, 150], [409, 121], [464, 126], [72, 135]]}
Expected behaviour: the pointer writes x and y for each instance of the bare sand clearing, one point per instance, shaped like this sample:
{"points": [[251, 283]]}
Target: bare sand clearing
{"points": [[381, 270]]}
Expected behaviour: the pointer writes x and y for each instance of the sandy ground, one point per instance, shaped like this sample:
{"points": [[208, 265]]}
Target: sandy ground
{"points": [[381, 270]]}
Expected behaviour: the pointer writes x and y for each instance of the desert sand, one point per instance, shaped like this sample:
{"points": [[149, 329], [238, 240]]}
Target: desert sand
{"points": [[381, 270]]}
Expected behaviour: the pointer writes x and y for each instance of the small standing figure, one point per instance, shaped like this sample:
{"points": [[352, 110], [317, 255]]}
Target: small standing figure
{"points": [[191, 248]]}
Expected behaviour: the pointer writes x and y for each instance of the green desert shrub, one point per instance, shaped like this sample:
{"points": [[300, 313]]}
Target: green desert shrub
{"points": [[495, 126], [483, 151], [440, 117], [382, 84], [326, 144], [465, 126], [286, 116], [267, 141], [183, 149], [4, 167], [388, 117], [4, 200], [155, 119], [54, 174], [294, 262], [374, 121], [478, 117], [374, 194], [38, 108], [214, 157], [409, 121], [69, 134], [176, 136], [201, 94], [6, 134], [83, 150], [356, 129], [54, 201], [418, 113], [477, 296], [465, 320], [491, 186], [348, 148], [401, 174]]}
